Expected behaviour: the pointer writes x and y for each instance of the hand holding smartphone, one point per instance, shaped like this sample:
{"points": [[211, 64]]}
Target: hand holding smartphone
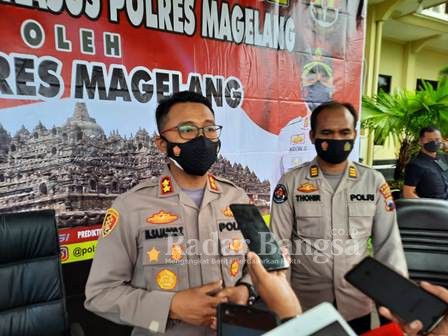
{"points": [[260, 239], [390, 289]]}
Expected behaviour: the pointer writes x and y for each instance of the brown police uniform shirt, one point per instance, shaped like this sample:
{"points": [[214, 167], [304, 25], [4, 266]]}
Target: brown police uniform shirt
{"points": [[148, 251], [329, 231]]}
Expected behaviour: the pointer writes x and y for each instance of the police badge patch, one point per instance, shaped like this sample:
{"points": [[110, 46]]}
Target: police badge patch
{"points": [[110, 221], [280, 194]]}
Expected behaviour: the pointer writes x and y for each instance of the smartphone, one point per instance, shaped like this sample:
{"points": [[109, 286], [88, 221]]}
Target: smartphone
{"points": [[258, 236], [239, 320], [402, 296]]}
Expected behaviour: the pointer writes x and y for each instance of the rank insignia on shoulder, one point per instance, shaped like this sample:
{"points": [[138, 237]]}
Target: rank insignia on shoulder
{"points": [[161, 217], [166, 186], [110, 221], [280, 194], [314, 171], [352, 172], [212, 182], [307, 187], [166, 279]]}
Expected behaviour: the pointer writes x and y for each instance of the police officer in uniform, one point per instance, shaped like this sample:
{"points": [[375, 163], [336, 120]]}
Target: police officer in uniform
{"points": [[170, 249], [427, 174], [326, 210]]}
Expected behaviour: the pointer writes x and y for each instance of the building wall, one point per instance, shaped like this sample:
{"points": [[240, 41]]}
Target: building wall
{"points": [[392, 62], [427, 66], [429, 63]]}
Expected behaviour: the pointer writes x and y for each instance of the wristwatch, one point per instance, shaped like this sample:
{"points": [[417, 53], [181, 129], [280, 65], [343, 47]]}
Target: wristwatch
{"points": [[253, 296]]}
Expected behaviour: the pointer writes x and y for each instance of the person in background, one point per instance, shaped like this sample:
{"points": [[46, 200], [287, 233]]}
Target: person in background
{"points": [[325, 210], [146, 273], [426, 175]]}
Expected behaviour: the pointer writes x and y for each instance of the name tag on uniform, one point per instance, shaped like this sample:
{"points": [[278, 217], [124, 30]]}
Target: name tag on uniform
{"points": [[362, 197], [164, 232], [308, 198]]}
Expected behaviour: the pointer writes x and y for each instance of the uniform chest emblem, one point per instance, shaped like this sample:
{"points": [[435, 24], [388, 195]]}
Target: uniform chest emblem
{"points": [[234, 267], [110, 222], [227, 212], [166, 186], [153, 255], [307, 187], [161, 217], [166, 279], [176, 252], [236, 245]]}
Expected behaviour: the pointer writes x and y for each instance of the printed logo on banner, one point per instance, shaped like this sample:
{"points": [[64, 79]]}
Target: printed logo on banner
{"points": [[324, 13], [63, 237], [79, 252], [284, 3], [64, 253]]}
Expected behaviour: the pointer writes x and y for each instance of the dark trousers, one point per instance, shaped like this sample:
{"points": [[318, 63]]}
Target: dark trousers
{"points": [[361, 324]]}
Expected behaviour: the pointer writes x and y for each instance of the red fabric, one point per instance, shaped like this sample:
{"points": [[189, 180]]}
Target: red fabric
{"points": [[391, 329]]}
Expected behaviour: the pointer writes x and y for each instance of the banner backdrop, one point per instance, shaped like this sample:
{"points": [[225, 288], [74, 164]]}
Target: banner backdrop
{"points": [[80, 80]]}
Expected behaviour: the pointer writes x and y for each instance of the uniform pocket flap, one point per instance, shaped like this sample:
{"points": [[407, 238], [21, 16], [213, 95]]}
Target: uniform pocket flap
{"points": [[308, 209], [361, 210]]}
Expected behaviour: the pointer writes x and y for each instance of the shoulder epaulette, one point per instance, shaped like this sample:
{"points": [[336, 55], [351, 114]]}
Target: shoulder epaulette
{"points": [[154, 181]]}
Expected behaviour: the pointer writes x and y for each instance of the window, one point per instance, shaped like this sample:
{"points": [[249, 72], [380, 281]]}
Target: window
{"points": [[384, 82], [419, 84]]}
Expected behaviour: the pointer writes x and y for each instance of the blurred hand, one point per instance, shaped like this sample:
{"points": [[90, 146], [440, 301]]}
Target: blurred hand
{"points": [[238, 294], [413, 328], [196, 306], [274, 288]]}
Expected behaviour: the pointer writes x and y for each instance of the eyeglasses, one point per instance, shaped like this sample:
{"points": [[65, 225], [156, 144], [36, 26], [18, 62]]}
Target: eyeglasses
{"points": [[189, 132]]}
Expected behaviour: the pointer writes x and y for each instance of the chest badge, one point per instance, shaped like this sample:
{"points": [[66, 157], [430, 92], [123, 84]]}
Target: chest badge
{"points": [[307, 188], [161, 217], [166, 279], [235, 245], [176, 252], [234, 267], [227, 212], [153, 255]]}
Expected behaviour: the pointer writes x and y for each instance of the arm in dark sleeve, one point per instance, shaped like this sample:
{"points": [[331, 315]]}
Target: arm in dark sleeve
{"points": [[412, 174]]}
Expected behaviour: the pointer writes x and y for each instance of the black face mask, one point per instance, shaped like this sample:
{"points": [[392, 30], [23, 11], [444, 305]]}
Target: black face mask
{"points": [[333, 151], [432, 146], [195, 156]]}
